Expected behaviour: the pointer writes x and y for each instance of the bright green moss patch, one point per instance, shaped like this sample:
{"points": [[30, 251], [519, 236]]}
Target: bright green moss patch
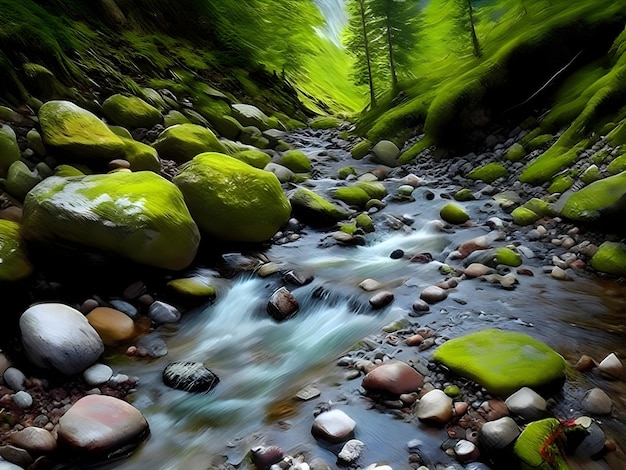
{"points": [[544, 167], [591, 174], [454, 214], [617, 166], [464, 194], [515, 152], [353, 195], [361, 149], [15, 263], [560, 184], [585, 205], [314, 209], [488, 173], [252, 157], [412, 152], [508, 257], [192, 287], [184, 141], [539, 142], [524, 216], [324, 122], [375, 189], [296, 161], [364, 222], [131, 112], [610, 258], [346, 171], [539, 446], [9, 152], [501, 361]]}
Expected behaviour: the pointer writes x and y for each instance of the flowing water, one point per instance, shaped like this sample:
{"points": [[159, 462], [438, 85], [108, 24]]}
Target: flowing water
{"points": [[262, 364]]}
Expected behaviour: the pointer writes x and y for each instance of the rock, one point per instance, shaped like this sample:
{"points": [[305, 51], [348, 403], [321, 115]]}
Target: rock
{"points": [[526, 403], [588, 204], [469, 246], [298, 278], [508, 257], [183, 142], [231, 200], [537, 440], [23, 399], [263, 457], [381, 299], [20, 180], [386, 152], [394, 377], [282, 304], [324, 122], [559, 273], [193, 287], [433, 294], [333, 426], [419, 306], [490, 356], [610, 258], [131, 112], [313, 209], [253, 157], [74, 132], [162, 312], [585, 363], [476, 270], [375, 189], [466, 451], [597, 402], [308, 393], [15, 263], [352, 195], [370, 285], [14, 455], [488, 173], [361, 149], [249, 115], [140, 216], [500, 433], [34, 440], [351, 451], [296, 161], [97, 374], [189, 376], [435, 407], [113, 326], [14, 379], [141, 157], [611, 366], [524, 216], [60, 337], [284, 174], [100, 425], [9, 152], [453, 214]]}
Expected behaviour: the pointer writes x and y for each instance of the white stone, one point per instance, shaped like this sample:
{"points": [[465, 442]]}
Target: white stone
{"points": [[499, 433], [59, 337], [333, 426], [597, 402], [97, 374], [351, 450], [435, 407], [526, 403], [611, 366]]}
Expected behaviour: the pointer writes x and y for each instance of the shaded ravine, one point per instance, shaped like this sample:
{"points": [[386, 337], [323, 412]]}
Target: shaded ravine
{"points": [[263, 364]]}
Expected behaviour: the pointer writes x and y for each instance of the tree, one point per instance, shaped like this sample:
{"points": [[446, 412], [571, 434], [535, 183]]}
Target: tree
{"points": [[358, 44], [469, 17]]}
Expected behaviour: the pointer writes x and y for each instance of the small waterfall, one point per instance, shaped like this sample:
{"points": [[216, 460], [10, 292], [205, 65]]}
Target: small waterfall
{"points": [[334, 12]]}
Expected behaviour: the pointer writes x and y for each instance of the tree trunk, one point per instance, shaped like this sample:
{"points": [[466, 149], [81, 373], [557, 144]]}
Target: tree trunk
{"points": [[475, 43], [368, 58], [392, 63]]}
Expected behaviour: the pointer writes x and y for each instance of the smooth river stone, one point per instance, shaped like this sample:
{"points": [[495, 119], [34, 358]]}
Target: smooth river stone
{"points": [[113, 326], [60, 337], [333, 426], [33, 439], [394, 377], [189, 376], [100, 424], [433, 294], [435, 407]]}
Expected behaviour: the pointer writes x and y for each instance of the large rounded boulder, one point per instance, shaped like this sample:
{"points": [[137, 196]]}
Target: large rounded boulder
{"points": [[230, 200], [140, 216], [74, 132], [131, 111], [182, 142], [14, 264]]}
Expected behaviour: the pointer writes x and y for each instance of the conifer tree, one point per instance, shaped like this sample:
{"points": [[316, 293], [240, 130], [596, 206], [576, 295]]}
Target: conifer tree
{"points": [[358, 43]]}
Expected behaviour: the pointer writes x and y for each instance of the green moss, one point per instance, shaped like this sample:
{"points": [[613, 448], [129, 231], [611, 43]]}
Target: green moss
{"points": [[324, 122], [508, 257], [540, 207], [540, 142], [617, 166], [501, 361], [586, 204], [353, 195], [361, 149], [314, 209], [296, 161], [364, 222], [515, 152], [15, 263], [464, 195], [560, 184], [524, 216], [9, 152], [591, 174], [610, 258], [454, 214], [192, 287], [346, 171], [539, 447], [20, 179], [488, 173], [252, 157], [544, 167], [141, 157], [413, 152], [618, 135], [375, 189], [184, 141], [131, 112]]}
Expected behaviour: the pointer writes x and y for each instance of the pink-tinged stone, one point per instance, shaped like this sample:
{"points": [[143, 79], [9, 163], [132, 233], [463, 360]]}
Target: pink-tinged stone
{"points": [[394, 377], [478, 243], [100, 424], [35, 440]]}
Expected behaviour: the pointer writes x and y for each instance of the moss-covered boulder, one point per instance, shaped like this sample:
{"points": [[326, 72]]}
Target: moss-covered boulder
{"points": [[386, 152], [539, 446], [182, 142], [74, 132], [253, 157], [592, 173], [501, 361], [515, 152], [324, 122], [464, 195], [20, 179], [131, 112], [524, 216], [140, 216], [352, 195], [610, 258], [365, 222], [249, 115], [226, 126], [508, 257], [587, 204], [488, 173], [561, 183], [175, 117], [375, 189], [141, 156], [453, 214], [313, 209], [231, 200], [345, 172], [296, 161], [617, 166], [9, 151], [361, 149], [15, 263]]}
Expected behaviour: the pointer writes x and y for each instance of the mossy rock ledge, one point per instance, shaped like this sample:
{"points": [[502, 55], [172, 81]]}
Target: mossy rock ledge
{"points": [[231, 200], [140, 216], [606, 195], [610, 258], [502, 361]]}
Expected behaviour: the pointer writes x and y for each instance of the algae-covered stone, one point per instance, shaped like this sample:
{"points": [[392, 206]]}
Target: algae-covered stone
{"points": [[463, 195], [231, 200], [20, 179], [515, 152], [314, 209], [192, 287], [175, 117], [140, 216], [586, 205], [524, 216], [501, 361], [141, 156], [539, 448], [9, 152], [249, 115], [253, 157], [361, 149], [488, 173], [617, 166], [77, 133], [610, 258], [226, 126], [591, 174], [561, 183], [345, 172], [375, 189], [184, 141], [131, 112], [454, 214], [386, 152], [15, 264], [353, 195], [508, 257], [365, 222], [324, 122], [296, 161], [67, 170]]}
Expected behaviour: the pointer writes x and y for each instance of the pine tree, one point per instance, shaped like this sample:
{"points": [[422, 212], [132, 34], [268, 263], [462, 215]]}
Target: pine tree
{"points": [[469, 19], [358, 43]]}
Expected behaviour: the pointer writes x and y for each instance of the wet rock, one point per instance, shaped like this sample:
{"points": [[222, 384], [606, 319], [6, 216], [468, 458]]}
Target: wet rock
{"points": [[419, 307], [435, 407], [15, 455], [386, 152], [34, 440], [14, 379], [611, 366], [370, 285], [395, 377], [298, 278], [381, 299], [189, 376], [396, 254], [23, 399], [478, 243], [597, 402], [476, 270], [152, 345], [265, 456], [507, 281], [316, 464], [453, 214], [466, 450], [414, 340], [282, 304], [585, 363], [161, 313], [308, 393], [559, 274], [97, 374], [333, 426], [526, 403], [351, 451], [498, 434], [433, 294], [100, 424], [113, 326]]}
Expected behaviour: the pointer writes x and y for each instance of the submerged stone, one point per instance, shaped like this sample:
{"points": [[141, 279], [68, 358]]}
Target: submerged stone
{"points": [[189, 376], [502, 361]]}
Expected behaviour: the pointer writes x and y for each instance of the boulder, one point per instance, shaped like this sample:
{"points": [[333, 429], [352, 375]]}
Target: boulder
{"points": [[253, 157], [610, 258], [100, 425], [501, 361], [131, 112], [395, 377], [314, 209], [284, 174], [15, 264], [141, 156], [231, 200], [182, 142], [140, 216], [352, 195], [386, 152], [588, 204], [296, 161], [9, 151], [499, 433], [249, 115], [59, 337], [226, 126], [74, 132], [20, 179]]}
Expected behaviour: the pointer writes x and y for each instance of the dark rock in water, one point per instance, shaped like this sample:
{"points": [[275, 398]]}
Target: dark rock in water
{"points": [[189, 376], [423, 258], [282, 304], [264, 457], [396, 254], [298, 278], [381, 299]]}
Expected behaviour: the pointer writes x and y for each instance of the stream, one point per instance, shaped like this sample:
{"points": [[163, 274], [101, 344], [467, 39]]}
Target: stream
{"points": [[263, 364]]}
